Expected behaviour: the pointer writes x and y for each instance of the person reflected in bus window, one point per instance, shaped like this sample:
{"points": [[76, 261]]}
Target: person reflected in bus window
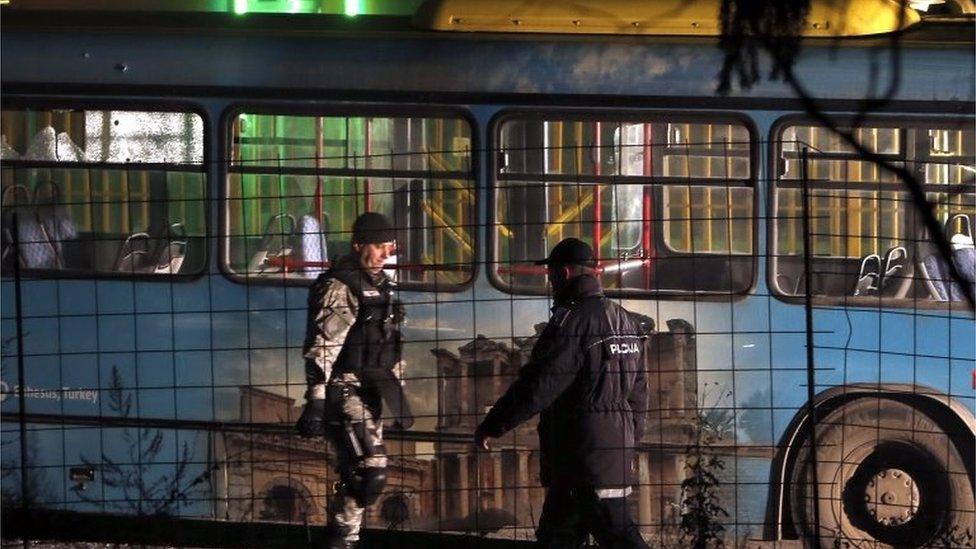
{"points": [[586, 377], [352, 351]]}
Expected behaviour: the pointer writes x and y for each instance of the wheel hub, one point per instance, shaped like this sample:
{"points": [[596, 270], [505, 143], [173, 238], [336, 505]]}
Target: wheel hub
{"points": [[891, 497]]}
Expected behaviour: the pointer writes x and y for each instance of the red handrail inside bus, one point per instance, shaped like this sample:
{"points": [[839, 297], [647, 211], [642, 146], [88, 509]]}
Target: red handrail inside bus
{"points": [[289, 263], [601, 268], [649, 251], [647, 219]]}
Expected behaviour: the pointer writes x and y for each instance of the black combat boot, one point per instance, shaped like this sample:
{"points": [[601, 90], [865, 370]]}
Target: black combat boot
{"points": [[336, 538], [342, 543]]}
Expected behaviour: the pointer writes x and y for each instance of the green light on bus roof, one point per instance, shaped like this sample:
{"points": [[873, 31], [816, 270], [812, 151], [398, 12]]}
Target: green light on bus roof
{"points": [[353, 7], [240, 7]]}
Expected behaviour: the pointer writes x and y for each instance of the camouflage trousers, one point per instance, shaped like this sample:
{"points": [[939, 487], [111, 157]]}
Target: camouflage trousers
{"points": [[346, 406]]}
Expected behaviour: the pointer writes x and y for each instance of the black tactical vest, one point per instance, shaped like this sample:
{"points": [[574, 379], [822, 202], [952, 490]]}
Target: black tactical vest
{"points": [[371, 341]]}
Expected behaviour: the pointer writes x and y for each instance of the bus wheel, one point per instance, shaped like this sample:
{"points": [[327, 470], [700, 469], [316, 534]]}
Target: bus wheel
{"points": [[887, 474]]}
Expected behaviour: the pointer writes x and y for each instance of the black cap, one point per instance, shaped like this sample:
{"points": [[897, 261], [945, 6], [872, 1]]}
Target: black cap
{"points": [[570, 251], [372, 228]]}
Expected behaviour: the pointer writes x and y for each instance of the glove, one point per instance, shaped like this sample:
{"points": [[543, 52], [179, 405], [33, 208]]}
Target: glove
{"points": [[312, 422], [404, 422], [482, 439], [399, 313]]}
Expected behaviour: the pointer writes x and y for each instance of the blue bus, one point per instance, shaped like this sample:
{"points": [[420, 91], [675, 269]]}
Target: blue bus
{"points": [[173, 182]]}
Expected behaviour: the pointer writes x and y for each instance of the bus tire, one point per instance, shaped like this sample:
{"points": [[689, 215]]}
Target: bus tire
{"points": [[888, 474]]}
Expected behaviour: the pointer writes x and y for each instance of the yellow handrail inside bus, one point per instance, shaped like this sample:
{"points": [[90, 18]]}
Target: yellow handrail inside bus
{"points": [[827, 18], [460, 236], [569, 214], [465, 193]]}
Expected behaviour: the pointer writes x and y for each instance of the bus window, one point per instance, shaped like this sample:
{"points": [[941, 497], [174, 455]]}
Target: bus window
{"points": [[668, 203], [103, 192], [296, 184], [866, 237]]}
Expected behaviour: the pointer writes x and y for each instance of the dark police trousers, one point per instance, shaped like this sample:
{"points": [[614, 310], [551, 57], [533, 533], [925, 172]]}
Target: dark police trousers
{"points": [[569, 514]]}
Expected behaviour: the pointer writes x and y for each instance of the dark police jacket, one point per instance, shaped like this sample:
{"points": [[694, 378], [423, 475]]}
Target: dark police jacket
{"points": [[586, 377]]}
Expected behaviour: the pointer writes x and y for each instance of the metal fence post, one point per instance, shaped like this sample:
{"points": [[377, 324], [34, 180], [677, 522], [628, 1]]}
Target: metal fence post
{"points": [[21, 401], [811, 366]]}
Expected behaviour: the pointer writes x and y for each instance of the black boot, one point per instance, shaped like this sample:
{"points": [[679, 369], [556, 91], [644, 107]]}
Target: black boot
{"points": [[342, 543], [336, 538]]}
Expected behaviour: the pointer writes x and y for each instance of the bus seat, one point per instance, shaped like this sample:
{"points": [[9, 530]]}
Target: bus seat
{"points": [[170, 253], [934, 269], [170, 257], [143, 253], [6, 151], [964, 251], [311, 246], [896, 279], [273, 244], [869, 276], [134, 254], [43, 228], [53, 146]]}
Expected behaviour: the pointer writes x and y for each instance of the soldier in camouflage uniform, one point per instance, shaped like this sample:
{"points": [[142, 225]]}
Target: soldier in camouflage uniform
{"points": [[352, 348]]}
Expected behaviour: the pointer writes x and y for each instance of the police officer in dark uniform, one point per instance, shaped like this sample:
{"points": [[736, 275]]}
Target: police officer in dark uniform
{"points": [[586, 377], [352, 359]]}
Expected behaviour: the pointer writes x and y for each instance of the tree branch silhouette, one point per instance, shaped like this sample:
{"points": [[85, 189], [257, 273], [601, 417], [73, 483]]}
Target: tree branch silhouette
{"points": [[145, 488], [922, 205], [774, 27]]}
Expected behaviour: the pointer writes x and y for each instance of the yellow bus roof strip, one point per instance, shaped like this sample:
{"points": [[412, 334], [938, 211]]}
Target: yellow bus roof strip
{"points": [[827, 18]]}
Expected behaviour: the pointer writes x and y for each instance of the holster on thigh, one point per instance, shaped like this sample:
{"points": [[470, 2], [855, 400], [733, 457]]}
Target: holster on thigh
{"points": [[363, 480], [361, 442]]}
